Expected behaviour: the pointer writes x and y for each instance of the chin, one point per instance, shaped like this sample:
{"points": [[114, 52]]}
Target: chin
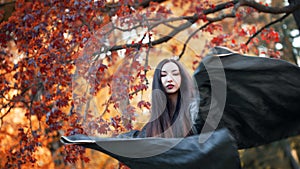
{"points": [[172, 92]]}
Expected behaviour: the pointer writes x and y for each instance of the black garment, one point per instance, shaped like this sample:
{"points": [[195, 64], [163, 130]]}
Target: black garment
{"points": [[262, 102], [218, 152], [259, 104]]}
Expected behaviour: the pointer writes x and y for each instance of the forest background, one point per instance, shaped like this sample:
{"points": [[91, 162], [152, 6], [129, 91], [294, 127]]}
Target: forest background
{"points": [[70, 67]]}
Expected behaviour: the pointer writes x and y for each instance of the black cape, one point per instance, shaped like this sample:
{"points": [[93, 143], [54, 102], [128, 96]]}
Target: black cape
{"points": [[257, 99], [262, 97], [218, 152]]}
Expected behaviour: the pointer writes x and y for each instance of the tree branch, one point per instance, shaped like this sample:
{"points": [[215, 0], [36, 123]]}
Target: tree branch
{"points": [[190, 20], [7, 3], [112, 8], [296, 13], [266, 26], [267, 9], [146, 3], [211, 20]]}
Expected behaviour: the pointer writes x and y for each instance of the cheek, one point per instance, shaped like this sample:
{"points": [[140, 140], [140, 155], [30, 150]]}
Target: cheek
{"points": [[162, 80], [178, 80]]}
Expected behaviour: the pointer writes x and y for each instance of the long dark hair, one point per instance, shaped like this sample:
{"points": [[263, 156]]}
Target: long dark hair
{"points": [[161, 124]]}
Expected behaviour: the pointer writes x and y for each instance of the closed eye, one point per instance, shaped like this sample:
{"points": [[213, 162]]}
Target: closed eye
{"points": [[175, 72]]}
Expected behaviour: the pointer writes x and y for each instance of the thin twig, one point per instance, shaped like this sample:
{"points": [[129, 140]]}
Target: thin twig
{"points": [[147, 53], [14, 102], [106, 107], [266, 26], [190, 37], [8, 111]]}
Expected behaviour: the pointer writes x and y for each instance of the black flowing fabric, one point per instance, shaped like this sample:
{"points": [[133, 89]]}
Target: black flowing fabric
{"points": [[256, 99], [262, 102], [218, 152]]}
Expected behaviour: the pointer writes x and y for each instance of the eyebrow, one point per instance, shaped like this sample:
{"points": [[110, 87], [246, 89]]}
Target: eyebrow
{"points": [[174, 70]]}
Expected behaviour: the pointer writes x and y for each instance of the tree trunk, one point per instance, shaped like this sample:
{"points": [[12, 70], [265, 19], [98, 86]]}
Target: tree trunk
{"points": [[296, 13]]}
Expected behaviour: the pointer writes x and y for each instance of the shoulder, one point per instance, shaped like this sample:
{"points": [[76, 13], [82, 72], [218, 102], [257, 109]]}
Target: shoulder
{"points": [[221, 51]]}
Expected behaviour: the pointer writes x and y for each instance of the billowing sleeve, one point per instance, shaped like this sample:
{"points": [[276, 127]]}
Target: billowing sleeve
{"points": [[218, 152], [257, 99]]}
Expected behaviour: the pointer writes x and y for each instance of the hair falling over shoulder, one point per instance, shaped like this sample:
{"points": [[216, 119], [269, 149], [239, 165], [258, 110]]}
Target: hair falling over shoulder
{"points": [[160, 123]]}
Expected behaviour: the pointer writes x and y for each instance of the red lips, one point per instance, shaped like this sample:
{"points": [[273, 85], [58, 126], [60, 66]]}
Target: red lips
{"points": [[170, 86]]}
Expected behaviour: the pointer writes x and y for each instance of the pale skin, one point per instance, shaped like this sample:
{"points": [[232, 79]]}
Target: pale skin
{"points": [[171, 81]]}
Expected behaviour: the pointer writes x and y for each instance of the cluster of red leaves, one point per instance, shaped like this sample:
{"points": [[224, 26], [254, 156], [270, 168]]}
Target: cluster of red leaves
{"points": [[246, 31], [218, 40], [213, 27], [47, 36], [272, 54], [196, 7], [27, 145], [130, 79], [270, 35], [144, 103], [96, 125], [73, 152], [244, 12]]}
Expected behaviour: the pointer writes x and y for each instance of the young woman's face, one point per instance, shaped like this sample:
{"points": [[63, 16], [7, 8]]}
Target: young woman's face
{"points": [[170, 77]]}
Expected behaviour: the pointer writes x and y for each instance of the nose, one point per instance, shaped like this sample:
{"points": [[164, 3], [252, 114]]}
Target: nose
{"points": [[169, 79]]}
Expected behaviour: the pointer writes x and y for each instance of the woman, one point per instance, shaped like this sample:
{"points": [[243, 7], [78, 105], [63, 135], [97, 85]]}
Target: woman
{"points": [[173, 96], [175, 100]]}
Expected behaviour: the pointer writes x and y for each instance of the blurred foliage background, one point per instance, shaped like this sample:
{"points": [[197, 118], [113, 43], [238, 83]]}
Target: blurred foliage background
{"points": [[30, 132]]}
